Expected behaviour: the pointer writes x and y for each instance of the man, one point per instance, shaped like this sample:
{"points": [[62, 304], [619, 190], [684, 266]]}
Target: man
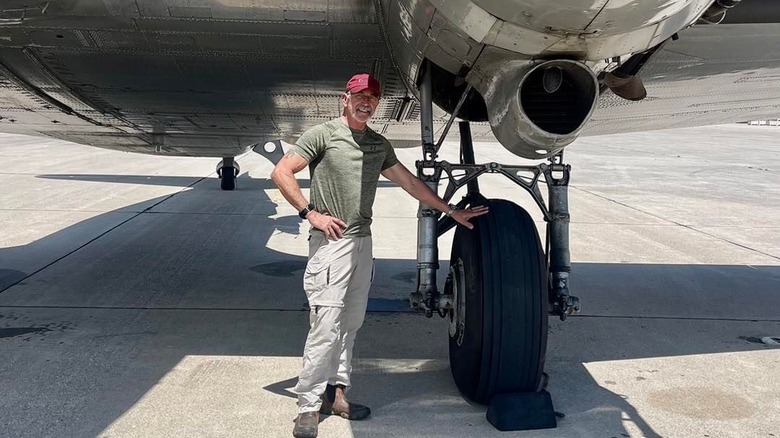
{"points": [[346, 158]]}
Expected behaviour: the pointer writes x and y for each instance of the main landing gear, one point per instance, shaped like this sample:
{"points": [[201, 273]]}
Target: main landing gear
{"points": [[502, 284], [227, 171]]}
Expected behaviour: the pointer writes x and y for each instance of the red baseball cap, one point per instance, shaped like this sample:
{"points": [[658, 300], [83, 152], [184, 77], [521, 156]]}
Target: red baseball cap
{"points": [[364, 81]]}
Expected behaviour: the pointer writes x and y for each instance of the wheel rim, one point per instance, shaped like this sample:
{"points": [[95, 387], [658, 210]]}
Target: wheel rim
{"points": [[458, 310]]}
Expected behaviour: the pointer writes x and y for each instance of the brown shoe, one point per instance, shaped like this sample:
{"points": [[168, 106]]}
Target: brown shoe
{"points": [[334, 402], [306, 425]]}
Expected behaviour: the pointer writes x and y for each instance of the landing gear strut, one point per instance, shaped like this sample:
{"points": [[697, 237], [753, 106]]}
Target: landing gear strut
{"points": [[501, 284]]}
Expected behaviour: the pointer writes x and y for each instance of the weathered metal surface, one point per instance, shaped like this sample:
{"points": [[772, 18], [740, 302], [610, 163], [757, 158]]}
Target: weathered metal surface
{"points": [[214, 77], [239, 70]]}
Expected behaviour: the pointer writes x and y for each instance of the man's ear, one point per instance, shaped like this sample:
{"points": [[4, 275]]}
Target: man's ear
{"points": [[344, 100]]}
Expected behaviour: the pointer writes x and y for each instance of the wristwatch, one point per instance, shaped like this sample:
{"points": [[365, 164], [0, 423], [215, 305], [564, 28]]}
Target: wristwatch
{"points": [[452, 209], [306, 210]]}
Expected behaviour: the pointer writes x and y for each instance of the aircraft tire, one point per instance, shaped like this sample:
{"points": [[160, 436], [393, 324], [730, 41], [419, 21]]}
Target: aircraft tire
{"points": [[227, 179], [499, 345]]}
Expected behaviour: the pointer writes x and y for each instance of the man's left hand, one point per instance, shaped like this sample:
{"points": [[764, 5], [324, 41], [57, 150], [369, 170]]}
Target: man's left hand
{"points": [[465, 215]]}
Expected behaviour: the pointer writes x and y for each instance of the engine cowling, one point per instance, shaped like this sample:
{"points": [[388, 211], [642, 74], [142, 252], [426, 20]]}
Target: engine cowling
{"points": [[537, 108]]}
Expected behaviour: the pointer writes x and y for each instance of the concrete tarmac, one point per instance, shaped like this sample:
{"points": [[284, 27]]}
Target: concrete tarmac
{"points": [[137, 299]]}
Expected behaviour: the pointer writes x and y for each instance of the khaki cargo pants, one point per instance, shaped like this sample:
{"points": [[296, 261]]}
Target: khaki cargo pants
{"points": [[337, 279]]}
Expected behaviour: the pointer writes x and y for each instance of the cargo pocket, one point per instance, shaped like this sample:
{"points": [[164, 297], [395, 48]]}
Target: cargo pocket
{"points": [[315, 283], [316, 277]]}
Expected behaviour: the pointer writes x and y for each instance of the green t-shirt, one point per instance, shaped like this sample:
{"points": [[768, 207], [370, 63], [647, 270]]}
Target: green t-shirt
{"points": [[345, 165]]}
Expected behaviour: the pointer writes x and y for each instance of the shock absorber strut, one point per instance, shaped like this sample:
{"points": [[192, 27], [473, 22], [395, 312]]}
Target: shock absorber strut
{"points": [[563, 303], [427, 292]]}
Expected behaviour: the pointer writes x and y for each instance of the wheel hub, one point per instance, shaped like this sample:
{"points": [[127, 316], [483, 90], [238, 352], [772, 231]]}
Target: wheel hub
{"points": [[457, 312]]}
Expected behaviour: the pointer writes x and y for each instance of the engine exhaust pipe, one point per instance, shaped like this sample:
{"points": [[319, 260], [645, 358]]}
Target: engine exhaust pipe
{"points": [[536, 109]]}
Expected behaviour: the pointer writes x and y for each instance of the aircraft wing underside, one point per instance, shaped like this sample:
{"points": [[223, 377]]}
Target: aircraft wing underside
{"points": [[171, 79]]}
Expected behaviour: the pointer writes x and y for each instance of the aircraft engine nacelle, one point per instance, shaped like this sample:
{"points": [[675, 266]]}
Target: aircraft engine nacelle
{"points": [[537, 108]]}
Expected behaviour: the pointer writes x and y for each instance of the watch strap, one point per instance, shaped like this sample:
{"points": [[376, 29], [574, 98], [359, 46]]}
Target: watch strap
{"points": [[306, 210]]}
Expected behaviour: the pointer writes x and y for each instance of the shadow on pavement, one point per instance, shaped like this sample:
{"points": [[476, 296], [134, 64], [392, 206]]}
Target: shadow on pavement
{"points": [[194, 275]]}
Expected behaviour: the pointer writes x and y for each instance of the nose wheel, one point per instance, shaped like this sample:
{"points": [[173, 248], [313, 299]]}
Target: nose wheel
{"points": [[227, 171]]}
